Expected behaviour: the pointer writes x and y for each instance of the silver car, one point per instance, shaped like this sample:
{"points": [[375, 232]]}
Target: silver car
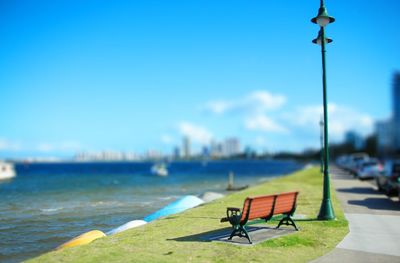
{"points": [[369, 169]]}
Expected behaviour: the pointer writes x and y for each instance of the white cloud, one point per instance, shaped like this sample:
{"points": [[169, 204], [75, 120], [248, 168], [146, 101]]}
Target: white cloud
{"points": [[218, 107], [7, 145], [257, 101], [253, 106], [264, 124], [45, 147], [340, 119], [195, 132], [70, 146], [263, 100], [66, 146]]}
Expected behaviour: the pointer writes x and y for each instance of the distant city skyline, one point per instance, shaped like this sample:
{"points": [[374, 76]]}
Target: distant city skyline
{"points": [[130, 76], [230, 147]]}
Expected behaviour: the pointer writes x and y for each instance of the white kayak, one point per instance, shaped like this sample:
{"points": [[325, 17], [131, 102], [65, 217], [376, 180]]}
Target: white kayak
{"points": [[126, 226]]}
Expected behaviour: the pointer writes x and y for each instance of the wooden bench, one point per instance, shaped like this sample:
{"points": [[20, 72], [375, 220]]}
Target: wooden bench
{"points": [[264, 207]]}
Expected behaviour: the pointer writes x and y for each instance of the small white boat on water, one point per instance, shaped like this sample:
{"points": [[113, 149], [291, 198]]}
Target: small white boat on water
{"points": [[159, 169], [6, 170]]}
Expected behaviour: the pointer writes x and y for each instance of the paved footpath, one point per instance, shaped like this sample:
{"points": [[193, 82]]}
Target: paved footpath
{"points": [[374, 222]]}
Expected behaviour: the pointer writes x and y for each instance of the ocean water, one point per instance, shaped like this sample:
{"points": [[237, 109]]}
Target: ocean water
{"points": [[47, 204]]}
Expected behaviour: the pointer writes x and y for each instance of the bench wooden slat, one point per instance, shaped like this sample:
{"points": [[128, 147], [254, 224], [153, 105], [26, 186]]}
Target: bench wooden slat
{"points": [[260, 207], [285, 203]]}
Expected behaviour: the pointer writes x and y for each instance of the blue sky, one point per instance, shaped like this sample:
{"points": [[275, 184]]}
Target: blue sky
{"points": [[138, 75]]}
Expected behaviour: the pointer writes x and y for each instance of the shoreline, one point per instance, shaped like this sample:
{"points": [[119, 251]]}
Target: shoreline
{"points": [[163, 235], [72, 199]]}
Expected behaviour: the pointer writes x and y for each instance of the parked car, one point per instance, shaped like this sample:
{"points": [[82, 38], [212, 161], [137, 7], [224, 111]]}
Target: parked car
{"points": [[354, 161], [342, 161], [389, 182], [398, 191], [369, 169]]}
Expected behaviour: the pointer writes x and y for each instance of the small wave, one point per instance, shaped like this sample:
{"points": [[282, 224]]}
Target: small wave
{"points": [[107, 203], [169, 197], [79, 205], [49, 210]]}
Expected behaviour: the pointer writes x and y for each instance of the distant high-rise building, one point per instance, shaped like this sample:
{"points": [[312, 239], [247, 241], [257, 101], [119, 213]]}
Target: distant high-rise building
{"points": [[215, 149], [231, 147], [205, 152], [396, 110], [396, 97], [153, 154], [385, 133], [354, 139], [177, 153], [186, 147], [388, 132]]}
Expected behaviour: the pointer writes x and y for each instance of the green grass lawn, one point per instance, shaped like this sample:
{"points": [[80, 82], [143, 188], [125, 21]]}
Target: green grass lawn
{"points": [[176, 238]]}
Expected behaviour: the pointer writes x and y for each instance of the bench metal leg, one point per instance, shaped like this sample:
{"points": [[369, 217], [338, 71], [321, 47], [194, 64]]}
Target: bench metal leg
{"points": [[246, 234], [288, 221], [241, 232], [234, 232]]}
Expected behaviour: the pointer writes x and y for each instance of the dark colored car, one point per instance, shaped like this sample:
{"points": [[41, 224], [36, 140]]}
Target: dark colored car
{"points": [[389, 183]]}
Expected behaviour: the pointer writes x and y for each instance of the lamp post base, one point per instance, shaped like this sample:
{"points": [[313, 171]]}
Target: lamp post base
{"points": [[326, 210]]}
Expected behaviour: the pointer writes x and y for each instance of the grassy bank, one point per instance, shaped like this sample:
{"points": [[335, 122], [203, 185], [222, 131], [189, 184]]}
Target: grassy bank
{"points": [[176, 238]]}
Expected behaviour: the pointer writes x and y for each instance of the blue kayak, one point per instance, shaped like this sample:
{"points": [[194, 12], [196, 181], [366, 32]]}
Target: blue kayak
{"points": [[180, 205]]}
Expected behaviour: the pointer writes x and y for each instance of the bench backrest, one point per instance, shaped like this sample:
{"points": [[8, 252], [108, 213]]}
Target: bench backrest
{"points": [[285, 203], [266, 206], [258, 207]]}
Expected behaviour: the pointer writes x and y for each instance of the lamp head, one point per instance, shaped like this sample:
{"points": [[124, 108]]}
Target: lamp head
{"points": [[318, 40], [322, 19]]}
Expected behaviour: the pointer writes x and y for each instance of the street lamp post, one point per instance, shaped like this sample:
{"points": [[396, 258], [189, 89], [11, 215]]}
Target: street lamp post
{"points": [[323, 19], [321, 153]]}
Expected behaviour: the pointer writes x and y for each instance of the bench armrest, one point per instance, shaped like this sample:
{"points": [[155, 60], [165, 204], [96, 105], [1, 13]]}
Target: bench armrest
{"points": [[232, 215], [233, 209]]}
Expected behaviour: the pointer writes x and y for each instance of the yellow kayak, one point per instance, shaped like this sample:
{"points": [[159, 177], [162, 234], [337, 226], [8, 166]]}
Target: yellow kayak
{"points": [[83, 239]]}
